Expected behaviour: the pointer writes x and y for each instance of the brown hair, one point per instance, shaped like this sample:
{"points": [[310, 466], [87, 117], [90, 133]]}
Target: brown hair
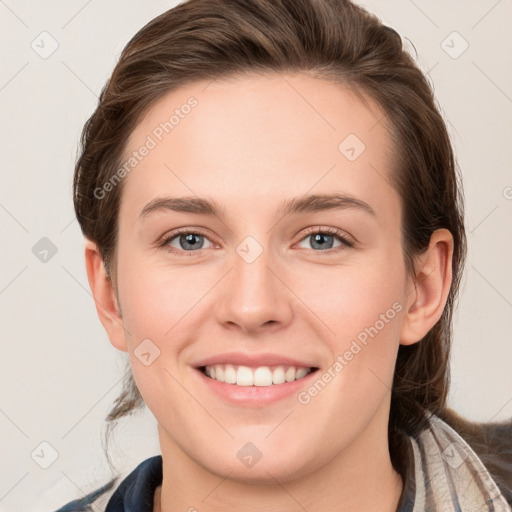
{"points": [[327, 39]]}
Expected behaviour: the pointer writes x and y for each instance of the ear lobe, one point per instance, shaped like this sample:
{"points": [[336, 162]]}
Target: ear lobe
{"points": [[104, 296], [430, 288]]}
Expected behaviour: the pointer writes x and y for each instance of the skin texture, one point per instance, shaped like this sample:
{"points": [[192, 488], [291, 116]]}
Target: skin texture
{"points": [[250, 144]]}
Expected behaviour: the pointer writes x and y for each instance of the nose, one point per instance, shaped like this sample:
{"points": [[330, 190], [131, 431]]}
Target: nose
{"points": [[254, 295]]}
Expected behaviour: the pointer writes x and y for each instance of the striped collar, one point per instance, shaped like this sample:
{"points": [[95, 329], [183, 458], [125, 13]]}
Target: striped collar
{"points": [[449, 476]]}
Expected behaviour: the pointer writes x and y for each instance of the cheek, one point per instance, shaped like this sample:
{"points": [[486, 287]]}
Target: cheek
{"points": [[154, 300], [161, 309], [351, 299], [363, 308], [156, 316]]}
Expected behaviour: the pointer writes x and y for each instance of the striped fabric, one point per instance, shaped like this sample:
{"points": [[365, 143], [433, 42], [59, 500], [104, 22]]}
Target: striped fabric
{"points": [[449, 476]]}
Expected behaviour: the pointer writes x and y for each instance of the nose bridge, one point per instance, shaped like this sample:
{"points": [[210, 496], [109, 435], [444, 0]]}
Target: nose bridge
{"points": [[254, 295]]}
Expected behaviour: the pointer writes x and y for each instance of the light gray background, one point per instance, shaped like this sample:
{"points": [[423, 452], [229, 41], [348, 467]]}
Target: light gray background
{"points": [[59, 373]]}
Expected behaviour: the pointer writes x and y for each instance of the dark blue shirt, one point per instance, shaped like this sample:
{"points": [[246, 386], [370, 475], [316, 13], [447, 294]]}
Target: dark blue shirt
{"points": [[134, 494]]}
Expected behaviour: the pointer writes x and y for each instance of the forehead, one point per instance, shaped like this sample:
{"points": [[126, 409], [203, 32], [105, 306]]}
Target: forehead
{"points": [[245, 139]]}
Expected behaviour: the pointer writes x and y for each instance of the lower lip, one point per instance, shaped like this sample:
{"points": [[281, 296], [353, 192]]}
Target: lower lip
{"points": [[255, 395]]}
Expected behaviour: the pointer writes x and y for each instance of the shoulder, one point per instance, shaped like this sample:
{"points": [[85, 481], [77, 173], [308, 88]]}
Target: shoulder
{"points": [[134, 492], [492, 443], [86, 503]]}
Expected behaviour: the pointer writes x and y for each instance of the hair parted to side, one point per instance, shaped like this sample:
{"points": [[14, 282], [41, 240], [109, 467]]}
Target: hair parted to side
{"points": [[327, 39]]}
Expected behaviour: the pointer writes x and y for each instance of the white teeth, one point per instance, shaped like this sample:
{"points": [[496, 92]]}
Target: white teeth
{"points": [[278, 376], [301, 372], [244, 376], [261, 376], [290, 374], [229, 374], [219, 373]]}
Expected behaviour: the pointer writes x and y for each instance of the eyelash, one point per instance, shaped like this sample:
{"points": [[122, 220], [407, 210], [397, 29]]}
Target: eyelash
{"points": [[314, 230]]}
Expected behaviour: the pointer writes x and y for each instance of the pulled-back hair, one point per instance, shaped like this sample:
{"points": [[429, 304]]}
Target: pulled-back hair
{"points": [[326, 39]]}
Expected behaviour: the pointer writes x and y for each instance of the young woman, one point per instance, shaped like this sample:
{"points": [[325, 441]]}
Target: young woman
{"points": [[274, 233]]}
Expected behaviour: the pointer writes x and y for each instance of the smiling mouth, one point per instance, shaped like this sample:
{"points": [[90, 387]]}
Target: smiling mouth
{"points": [[240, 375]]}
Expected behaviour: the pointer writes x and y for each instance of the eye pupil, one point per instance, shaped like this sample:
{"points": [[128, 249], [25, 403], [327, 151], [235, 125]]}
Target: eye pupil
{"points": [[189, 238], [320, 239]]}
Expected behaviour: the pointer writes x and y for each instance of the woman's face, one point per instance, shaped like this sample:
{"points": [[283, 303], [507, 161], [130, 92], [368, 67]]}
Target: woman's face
{"points": [[257, 284]]}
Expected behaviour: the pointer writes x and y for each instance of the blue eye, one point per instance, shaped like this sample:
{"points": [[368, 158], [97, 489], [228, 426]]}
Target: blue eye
{"points": [[190, 240], [186, 240], [319, 237]]}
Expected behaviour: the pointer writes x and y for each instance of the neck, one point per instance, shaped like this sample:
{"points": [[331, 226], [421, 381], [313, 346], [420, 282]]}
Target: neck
{"points": [[359, 478]]}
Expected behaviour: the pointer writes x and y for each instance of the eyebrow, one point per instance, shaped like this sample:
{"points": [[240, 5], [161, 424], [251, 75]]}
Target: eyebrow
{"points": [[305, 204]]}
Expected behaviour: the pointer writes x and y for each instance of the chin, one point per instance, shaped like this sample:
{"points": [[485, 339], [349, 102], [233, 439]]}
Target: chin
{"points": [[247, 464]]}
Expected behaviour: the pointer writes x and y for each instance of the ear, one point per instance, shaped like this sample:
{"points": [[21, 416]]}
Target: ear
{"points": [[429, 289], [105, 297]]}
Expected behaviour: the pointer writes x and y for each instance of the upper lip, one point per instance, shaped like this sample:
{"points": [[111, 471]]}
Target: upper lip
{"points": [[254, 360]]}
